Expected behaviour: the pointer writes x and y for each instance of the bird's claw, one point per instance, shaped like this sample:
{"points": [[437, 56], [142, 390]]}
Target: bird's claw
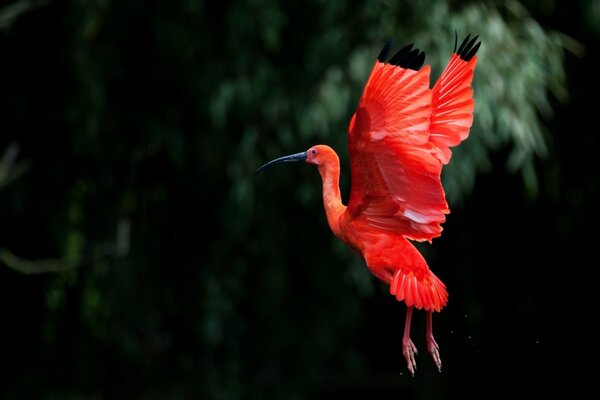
{"points": [[434, 350], [409, 350]]}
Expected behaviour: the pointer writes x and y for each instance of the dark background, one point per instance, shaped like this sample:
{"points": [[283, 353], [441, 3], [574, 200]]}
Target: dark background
{"points": [[141, 258]]}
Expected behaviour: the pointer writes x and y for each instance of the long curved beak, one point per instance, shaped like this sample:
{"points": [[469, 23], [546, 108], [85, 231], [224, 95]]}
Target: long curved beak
{"points": [[291, 158]]}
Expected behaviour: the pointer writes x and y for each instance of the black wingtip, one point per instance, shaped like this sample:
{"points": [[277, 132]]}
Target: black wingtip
{"points": [[468, 48], [410, 58], [455, 39], [417, 62], [400, 54], [383, 55]]}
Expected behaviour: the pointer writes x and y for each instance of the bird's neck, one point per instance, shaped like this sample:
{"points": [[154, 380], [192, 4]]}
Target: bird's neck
{"points": [[332, 199]]}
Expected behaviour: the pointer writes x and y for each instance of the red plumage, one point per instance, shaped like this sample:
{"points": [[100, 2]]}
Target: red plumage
{"points": [[399, 139]]}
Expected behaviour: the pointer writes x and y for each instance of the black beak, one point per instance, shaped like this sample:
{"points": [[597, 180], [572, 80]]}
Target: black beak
{"points": [[291, 158]]}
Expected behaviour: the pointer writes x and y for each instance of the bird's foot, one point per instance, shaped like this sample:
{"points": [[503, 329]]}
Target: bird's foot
{"points": [[409, 351], [434, 350]]}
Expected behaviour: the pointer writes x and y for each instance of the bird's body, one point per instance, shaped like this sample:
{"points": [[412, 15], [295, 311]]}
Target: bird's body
{"points": [[399, 139], [387, 253]]}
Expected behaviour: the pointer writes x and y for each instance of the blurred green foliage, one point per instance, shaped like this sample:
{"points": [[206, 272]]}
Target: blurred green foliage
{"points": [[130, 134]]}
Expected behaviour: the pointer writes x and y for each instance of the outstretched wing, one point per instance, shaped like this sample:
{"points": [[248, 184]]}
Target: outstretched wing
{"points": [[395, 161], [452, 99]]}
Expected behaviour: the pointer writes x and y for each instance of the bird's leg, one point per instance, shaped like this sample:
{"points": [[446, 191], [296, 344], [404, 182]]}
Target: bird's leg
{"points": [[408, 348], [432, 345]]}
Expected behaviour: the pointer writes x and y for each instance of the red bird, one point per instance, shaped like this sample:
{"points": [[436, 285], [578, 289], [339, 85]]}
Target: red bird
{"points": [[399, 138]]}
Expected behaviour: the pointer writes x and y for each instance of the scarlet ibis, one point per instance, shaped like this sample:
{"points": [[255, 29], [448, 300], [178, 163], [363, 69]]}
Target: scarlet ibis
{"points": [[399, 138]]}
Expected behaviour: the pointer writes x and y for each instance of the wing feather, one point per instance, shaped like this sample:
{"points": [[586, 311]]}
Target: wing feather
{"points": [[452, 100], [399, 139]]}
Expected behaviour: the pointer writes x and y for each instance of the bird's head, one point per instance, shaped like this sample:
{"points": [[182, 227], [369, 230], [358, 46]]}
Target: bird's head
{"points": [[317, 155]]}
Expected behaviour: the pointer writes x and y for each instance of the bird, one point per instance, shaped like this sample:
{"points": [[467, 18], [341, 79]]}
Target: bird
{"points": [[399, 139]]}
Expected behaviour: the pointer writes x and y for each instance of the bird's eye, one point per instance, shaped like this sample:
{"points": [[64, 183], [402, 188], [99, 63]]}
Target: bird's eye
{"points": [[313, 152]]}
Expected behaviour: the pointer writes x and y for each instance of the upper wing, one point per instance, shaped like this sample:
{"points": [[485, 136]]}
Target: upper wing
{"points": [[452, 100], [395, 162]]}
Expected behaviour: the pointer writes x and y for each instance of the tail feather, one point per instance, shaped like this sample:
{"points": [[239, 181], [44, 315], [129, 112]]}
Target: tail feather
{"points": [[428, 292]]}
